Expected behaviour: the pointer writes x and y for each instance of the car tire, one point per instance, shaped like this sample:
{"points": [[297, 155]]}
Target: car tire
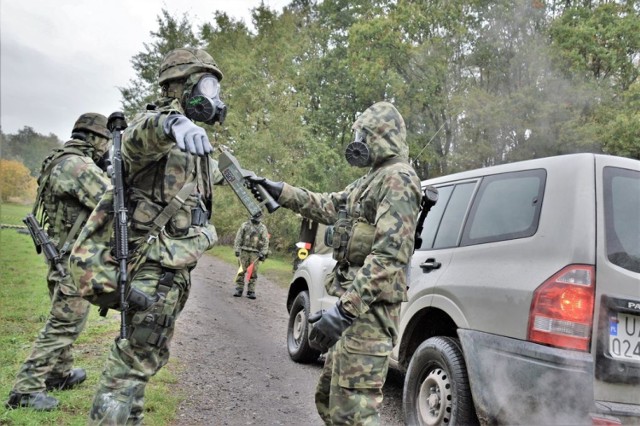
{"points": [[298, 331], [436, 387]]}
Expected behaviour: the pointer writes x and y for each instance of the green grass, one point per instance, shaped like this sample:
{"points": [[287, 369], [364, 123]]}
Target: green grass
{"points": [[24, 306]]}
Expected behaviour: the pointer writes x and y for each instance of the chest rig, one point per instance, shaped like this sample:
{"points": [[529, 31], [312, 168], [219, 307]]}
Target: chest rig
{"points": [[62, 216], [352, 235], [177, 176]]}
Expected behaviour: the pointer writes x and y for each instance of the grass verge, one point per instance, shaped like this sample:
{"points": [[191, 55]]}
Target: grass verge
{"points": [[24, 307]]}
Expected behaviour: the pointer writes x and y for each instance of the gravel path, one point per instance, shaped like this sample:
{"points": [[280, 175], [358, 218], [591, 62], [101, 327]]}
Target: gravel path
{"points": [[232, 359]]}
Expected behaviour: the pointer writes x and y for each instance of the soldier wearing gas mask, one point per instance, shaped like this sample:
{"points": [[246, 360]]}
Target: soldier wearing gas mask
{"points": [[69, 187], [374, 221], [169, 177]]}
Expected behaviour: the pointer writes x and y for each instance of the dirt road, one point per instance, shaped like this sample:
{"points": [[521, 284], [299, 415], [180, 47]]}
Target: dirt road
{"points": [[232, 358]]}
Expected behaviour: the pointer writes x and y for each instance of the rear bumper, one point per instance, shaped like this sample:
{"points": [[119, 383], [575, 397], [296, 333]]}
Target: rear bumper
{"points": [[518, 382]]}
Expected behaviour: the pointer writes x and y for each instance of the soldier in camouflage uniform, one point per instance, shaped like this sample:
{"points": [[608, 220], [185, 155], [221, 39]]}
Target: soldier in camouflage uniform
{"points": [[169, 178], [251, 246], [70, 186], [374, 221]]}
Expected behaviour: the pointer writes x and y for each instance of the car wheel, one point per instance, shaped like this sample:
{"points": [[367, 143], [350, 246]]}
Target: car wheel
{"points": [[298, 331], [436, 386]]}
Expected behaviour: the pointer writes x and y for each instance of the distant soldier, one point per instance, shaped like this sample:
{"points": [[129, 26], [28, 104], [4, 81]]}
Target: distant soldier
{"points": [[251, 247], [169, 179], [69, 187], [374, 220]]}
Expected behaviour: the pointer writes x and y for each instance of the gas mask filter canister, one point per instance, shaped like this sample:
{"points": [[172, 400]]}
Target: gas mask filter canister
{"points": [[357, 152]]}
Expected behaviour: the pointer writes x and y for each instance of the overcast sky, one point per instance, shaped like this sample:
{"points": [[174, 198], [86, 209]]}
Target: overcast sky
{"points": [[61, 58]]}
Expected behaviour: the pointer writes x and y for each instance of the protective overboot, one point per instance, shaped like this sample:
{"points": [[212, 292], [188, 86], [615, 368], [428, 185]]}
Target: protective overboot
{"points": [[238, 293], [251, 294], [39, 401], [110, 407], [74, 378]]}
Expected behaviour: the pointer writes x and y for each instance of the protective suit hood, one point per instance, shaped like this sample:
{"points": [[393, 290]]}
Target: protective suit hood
{"points": [[386, 132]]}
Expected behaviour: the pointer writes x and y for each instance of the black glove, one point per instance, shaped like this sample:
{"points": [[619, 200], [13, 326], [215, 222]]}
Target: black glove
{"points": [[188, 136], [237, 254], [329, 326], [273, 188], [261, 257]]}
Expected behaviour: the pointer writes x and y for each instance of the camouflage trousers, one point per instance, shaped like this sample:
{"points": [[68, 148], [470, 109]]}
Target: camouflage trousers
{"points": [[133, 361], [51, 356], [349, 391], [247, 258]]}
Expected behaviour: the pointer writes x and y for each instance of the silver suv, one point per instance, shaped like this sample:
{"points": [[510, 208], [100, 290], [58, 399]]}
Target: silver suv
{"points": [[524, 299]]}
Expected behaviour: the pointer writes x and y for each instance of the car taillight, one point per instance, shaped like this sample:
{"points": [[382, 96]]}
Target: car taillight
{"points": [[562, 309]]}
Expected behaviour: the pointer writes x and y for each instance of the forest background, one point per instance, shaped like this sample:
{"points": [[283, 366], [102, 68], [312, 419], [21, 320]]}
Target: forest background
{"points": [[478, 83]]}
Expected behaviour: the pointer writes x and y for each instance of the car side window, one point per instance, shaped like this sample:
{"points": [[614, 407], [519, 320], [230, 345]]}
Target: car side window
{"points": [[622, 217], [432, 220], [448, 233], [507, 207]]}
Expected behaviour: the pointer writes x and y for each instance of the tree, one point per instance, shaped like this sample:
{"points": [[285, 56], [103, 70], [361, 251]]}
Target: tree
{"points": [[16, 183], [29, 148]]}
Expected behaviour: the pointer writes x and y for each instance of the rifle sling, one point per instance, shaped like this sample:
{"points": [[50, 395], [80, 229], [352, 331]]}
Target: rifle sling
{"points": [[75, 229]]}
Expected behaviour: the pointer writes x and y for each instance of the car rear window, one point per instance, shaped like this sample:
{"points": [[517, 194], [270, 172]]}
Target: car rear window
{"points": [[622, 217], [506, 207]]}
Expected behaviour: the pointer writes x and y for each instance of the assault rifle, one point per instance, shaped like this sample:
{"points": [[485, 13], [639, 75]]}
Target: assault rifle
{"points": [[116, 124], [44, 244], [429, 199]]}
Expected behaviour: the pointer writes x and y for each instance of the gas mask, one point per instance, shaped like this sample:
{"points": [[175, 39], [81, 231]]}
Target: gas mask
{"points": [[100, 148], [357, 152], [203, 104]]}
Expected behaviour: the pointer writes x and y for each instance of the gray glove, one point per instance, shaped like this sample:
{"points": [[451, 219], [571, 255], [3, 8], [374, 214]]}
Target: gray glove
{"points": [[273, 188], [329, 326], [188, 136]]}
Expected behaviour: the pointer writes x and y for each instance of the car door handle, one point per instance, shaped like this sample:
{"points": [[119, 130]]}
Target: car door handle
{"points": [[430, 264]]}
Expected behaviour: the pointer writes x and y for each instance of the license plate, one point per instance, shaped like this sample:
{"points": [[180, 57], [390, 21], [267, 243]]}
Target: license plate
{"points": [[624, 337]]}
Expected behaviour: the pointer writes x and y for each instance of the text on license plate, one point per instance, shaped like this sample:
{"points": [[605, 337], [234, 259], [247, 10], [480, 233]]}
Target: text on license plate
{"points": [[624, 337]]}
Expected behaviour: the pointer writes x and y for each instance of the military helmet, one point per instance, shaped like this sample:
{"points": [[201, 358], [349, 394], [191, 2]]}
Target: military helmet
{"points": [[92, 122], [181, 63]]}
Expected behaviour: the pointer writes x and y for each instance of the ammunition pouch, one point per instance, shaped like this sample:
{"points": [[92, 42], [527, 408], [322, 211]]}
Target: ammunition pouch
{"points": [[199, 216], [340, 238], [360, 243], [191, 213], [350, 242]]}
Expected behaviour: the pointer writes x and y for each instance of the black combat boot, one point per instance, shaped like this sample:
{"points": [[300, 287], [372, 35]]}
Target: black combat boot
{"points": [[238, 293], [74, 378], [39, 401], [251, 294]]}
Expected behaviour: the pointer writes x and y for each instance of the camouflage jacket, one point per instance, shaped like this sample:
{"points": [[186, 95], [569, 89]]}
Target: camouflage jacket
{"points": [[156, 170], [73, 185], [387, 197], [253, 238]]}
